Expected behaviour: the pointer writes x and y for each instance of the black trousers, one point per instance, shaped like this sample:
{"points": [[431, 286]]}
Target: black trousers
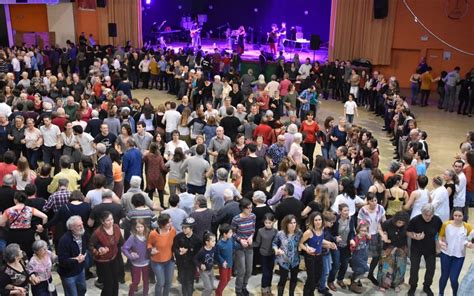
{"points": [[415, 258], [314, 270], [284, 274], [186, 276], [108, 272], [308, 151]]}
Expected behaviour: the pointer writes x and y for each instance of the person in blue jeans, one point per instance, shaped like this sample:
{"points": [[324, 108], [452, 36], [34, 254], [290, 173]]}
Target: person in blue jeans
{"points": [[329, 219], [73, 257], [160, 244], [453, 240]]}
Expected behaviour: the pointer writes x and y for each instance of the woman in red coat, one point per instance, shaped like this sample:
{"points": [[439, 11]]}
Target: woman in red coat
{"points": [[309, 129], [155, 172]]}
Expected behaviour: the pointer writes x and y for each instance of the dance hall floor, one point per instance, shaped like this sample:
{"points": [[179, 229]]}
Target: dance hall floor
{"points": [[445, 132]]}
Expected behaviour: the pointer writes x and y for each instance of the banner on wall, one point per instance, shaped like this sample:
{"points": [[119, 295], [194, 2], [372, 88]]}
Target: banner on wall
{"points": [[87, 4]]}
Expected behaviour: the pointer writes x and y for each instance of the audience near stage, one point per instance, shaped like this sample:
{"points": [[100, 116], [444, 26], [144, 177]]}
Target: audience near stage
{"points": [[240, 153]]}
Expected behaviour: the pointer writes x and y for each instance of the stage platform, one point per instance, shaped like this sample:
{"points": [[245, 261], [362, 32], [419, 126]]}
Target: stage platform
{"points": [[252, 51]]}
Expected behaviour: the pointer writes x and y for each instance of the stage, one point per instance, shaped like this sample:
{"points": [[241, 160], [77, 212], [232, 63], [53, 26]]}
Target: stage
{"points": [[252, 51]]}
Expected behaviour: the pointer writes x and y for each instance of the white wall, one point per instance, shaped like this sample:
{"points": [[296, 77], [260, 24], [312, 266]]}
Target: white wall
{"points": [[61, 21]]}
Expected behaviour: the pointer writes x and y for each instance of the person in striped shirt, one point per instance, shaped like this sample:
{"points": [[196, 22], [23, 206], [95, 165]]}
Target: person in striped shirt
{"points": [[244, 228]]}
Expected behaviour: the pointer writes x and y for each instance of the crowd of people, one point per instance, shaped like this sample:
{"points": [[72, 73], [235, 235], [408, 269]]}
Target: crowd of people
{"points": [[82, 159]]}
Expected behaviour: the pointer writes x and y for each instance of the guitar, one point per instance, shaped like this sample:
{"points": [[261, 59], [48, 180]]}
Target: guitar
{"points": [[194, 32]]}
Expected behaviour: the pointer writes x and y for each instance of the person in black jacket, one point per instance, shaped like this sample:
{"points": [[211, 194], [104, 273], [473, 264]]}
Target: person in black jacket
{"points": [[185, 246], [72, 256], [288, 205]]}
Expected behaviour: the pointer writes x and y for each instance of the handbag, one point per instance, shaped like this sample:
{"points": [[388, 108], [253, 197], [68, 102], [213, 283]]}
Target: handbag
{"points": [[51, 286]]}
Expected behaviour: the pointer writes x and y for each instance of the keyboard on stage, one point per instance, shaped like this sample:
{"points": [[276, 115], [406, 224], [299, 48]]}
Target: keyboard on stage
{"points": [[168, 32]]}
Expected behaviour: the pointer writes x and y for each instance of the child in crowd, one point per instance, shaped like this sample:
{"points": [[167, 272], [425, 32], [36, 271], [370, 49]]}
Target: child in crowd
{"points": [[224, 256], [263, 242], [360, 256], [204, 259], [350, 109], [135, 250], [185, 246]]}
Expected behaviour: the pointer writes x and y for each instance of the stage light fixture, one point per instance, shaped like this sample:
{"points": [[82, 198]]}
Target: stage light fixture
{"points": [[179, 6], [255, 9], [211, 7], [147, 2], [305, 12]]}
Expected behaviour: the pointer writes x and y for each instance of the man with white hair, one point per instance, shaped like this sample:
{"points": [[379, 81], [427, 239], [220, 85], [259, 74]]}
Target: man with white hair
{"points": [[423, 230], [126, 199], [240, 112], [276, 153], [72, 254], [93, 125], [229, 210], [216, 192], [217, 88]]}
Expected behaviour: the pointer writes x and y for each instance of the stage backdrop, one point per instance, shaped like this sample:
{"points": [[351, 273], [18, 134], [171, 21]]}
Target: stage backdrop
{"points": [[312, 15]]}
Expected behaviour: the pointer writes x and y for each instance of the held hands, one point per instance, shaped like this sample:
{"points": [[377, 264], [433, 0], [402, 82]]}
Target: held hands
{"points": [[443, 245], [39, 228], [103, 250], [134, 255], [419, 236], [310, 250], [154, 251], [279, 252], [203, 267], [244, 243], [80, 258], [385, 238], [224, 264]]}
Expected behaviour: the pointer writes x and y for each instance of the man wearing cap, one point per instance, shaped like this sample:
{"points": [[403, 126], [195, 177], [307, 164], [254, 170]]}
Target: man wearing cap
{"points": [[185, 246]]}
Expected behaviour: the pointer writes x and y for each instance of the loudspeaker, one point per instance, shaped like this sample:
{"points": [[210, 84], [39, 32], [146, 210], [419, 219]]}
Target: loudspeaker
{"points": [[101, 3], [315, 42], [112, 30], [380, 9]]}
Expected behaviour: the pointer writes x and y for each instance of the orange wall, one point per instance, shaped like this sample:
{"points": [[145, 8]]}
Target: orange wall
{"points": [[459, 33], [29, 17], [86, 21]]}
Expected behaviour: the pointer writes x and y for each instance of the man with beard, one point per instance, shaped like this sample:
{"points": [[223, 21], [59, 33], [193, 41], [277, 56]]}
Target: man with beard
{"points": [[72, 254]]}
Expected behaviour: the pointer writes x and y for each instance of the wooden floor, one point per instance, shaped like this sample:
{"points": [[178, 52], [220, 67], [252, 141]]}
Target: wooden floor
{"points": [[445, 132]]}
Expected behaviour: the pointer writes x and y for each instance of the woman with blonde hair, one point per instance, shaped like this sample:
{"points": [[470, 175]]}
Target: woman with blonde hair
{"points": [[321, 202], [23, 174]]}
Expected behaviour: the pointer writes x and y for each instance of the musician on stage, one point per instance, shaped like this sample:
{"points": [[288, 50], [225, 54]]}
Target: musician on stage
{"points": [[241, 39], [195, 33], [282, 36], [273, 39]]}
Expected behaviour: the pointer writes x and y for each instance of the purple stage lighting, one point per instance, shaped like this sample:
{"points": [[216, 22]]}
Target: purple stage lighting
{"points": [[148, 2]]}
